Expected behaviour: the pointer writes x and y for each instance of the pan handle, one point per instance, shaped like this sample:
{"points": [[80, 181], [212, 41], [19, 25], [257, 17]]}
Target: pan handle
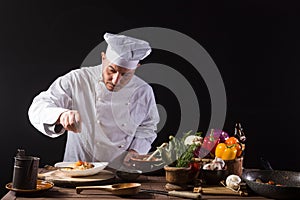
{"points": [[265, 163]]}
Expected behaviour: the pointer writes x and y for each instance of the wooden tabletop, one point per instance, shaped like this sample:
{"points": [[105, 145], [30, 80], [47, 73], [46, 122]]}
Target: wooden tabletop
{"points": [[147, 182]]}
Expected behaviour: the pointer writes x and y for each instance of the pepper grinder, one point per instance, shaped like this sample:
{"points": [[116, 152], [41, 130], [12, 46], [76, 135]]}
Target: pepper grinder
{"points": [[25, 171]]}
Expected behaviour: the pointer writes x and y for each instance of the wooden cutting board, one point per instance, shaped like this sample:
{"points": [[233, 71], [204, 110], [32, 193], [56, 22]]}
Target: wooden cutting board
{"points": [[59, 179], [221, 190]]}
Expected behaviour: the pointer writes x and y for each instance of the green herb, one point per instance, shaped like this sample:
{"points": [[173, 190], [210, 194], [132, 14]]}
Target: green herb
{"points": [[176, 153], [187, 157]]}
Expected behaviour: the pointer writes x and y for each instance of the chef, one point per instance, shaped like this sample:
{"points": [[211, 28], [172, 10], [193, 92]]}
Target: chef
{"points": [[107, 111]]}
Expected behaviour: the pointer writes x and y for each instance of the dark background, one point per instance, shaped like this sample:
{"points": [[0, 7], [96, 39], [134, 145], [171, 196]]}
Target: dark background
{"points": [[255, 45]]}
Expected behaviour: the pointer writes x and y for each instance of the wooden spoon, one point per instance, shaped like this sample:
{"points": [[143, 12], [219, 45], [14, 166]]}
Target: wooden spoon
{"points": [[120, 189]]}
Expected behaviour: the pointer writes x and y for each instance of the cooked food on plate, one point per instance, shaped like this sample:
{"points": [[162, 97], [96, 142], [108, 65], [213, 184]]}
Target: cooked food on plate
{"points": [[80, 168], [82, 165]]}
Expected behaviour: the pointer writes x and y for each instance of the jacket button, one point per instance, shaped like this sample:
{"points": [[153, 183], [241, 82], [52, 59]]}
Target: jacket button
{"points": [[124, 124], [121, 146]]}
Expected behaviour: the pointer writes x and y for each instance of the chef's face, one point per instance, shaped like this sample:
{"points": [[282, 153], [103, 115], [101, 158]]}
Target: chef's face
{"points": [[114, 76]]}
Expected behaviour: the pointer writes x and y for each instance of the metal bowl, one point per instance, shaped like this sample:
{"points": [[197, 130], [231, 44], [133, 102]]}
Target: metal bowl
{"points": [[140, 162], [128, 175]]}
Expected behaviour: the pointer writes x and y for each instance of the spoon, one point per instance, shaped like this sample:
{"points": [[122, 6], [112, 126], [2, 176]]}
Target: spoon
{"points": [[120, 189], [49, 167]]}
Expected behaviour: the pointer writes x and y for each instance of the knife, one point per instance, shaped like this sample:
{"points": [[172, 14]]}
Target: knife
{"points": [[174, 193]]}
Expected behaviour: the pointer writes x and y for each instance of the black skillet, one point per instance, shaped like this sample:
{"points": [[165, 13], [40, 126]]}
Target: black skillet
{"points": [[287, 183]]}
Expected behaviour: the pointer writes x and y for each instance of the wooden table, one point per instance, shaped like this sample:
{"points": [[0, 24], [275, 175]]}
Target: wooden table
{"points": [[147, 182]]}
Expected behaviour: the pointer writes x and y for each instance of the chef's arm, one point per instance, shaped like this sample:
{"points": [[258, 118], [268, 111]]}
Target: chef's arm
{"points": [[146, 132], [142, 145], [47, 107], [48, 124]]}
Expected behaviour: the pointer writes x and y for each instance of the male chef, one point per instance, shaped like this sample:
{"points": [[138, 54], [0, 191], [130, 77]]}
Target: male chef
{"points": [[106, 111]]}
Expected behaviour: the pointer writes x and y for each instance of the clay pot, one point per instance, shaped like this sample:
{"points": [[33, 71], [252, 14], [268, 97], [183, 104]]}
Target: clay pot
{"points": [[180, 175], [235, 166]]}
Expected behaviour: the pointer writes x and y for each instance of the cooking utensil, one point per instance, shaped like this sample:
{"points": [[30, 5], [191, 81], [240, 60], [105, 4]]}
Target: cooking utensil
{"points": [[289, 182], [49, 167], [140, 162], [120, 189], [156, 151], [182, 194], [129, 174], [125, 189]]}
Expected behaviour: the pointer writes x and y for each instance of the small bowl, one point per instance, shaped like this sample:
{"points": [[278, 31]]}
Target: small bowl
{"points": [[213, 177], [128, 175]]}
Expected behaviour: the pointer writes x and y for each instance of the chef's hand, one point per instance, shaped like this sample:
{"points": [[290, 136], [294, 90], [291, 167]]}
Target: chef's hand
{"points": [[131, 154], [70, 120]]}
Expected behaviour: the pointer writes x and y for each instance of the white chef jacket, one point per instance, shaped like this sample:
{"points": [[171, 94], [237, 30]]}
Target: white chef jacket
{"points": [[112, 122]]}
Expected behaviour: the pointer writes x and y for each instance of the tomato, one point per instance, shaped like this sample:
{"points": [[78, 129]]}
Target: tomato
{"points": [[231, 140], [195, 166], [235, 142], [239, 149]]}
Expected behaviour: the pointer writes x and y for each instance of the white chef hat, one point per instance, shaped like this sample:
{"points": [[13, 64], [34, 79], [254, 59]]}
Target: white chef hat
{"points": [[126, 51]]}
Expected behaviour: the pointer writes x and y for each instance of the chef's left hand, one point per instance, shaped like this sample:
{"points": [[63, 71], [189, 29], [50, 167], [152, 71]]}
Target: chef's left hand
{"points": [[131, 154]]}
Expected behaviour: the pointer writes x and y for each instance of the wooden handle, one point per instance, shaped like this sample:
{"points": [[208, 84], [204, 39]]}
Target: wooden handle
{"points": [[222, 191], [156, 151], [183, 194]]}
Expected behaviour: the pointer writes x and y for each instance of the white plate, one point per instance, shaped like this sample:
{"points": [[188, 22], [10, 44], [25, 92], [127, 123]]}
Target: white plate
{"points": [[98, 166]]}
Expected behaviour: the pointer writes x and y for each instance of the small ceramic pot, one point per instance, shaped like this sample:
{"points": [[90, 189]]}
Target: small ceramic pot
{"points": [[179, 175], [235, 166]]}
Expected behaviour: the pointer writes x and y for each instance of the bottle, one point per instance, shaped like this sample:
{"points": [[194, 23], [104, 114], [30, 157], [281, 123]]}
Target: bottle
{"points": [[240, 135]]}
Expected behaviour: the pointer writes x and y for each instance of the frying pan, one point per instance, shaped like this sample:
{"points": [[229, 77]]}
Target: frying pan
{"points": [[289, 182]]}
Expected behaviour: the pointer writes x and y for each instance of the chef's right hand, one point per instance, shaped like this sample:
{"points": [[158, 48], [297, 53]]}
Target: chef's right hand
{"points": [[70, 120]]}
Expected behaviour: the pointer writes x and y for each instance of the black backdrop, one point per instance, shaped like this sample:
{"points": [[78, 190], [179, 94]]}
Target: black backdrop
{"points": [[255, 45]]}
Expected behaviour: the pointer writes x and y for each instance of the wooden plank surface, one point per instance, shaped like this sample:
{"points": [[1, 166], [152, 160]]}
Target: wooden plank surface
{"points": [[147, 182]]}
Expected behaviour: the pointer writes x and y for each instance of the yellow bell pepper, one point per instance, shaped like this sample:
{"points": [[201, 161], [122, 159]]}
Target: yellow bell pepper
{"points": [[226, 152]]}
